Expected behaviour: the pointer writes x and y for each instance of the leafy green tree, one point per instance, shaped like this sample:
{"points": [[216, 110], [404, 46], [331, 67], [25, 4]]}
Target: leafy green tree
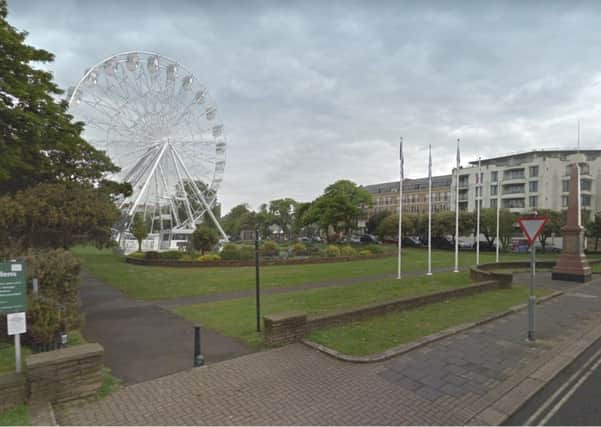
{"points": [[139, 229], [443, 224], [57, 215], [375, 220], [553, 225], [38, 140], [283, 213], [467, 223], [338, 209], [594, 229], [389, 227], [231, 222], [204, 238]]}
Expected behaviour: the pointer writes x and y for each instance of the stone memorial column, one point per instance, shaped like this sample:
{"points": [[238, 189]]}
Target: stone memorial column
{"points": [[572, 264]]}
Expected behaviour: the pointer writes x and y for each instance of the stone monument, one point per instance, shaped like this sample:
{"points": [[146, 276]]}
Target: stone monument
{"points": [[572, 264]]}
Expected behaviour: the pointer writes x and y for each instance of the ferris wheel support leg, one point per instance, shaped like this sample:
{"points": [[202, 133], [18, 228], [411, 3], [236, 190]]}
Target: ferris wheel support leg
{"points": [[200, 196], [147, 182]]}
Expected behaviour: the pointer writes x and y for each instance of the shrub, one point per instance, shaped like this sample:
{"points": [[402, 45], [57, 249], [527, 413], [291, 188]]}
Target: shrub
{"points": [[246, 252], [187, 257], [299, 249], [230, 252], [136, 255], [347, 251], [152, 255], [44, 321], [270, 248], [332, 251], [365, 252], [208, 257], [171, 255], [375, 249]]}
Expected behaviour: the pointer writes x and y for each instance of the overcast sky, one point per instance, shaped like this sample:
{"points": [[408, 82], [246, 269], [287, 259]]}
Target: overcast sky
{"points": [[312, 92]]}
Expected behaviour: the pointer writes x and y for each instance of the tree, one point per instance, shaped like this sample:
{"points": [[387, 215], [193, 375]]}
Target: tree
{"points": [[389, 227], [593, 229], [338, 209], [443, 224], [38, 140], [553, 225], [57, 215], [231, 222], [375, 220], [204, 238], [139, 229], [283, 212], [467, 223], [488, 225]]}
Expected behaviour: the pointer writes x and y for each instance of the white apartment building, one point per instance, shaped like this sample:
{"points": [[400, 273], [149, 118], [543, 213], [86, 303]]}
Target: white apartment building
{"points": [[526, 181]]}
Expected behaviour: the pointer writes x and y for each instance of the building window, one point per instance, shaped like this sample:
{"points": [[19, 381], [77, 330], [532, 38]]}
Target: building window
{"points": [[564, 201], [464, 180], [585, 200], [493, 190], [584, 169], [586, 184], [513, 188], [493, 176], [533, 201], [514, 174], [533, 171], [513, 203], [565, 186], [493, 203], [533, 186]]}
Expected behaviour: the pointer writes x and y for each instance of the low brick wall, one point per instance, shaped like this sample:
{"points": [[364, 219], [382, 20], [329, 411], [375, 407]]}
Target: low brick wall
{"points": [[487, 271], [12, 390], [65, 374], [249, 262], [286, 328]]}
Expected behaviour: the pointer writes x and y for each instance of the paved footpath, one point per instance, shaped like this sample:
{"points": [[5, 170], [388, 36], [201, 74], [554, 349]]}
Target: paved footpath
{"points": [[472, 377], [141, 340]]}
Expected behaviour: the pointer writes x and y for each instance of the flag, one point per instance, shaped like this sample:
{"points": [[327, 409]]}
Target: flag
{"points": [[402, 161], [458, 156], [430, 161]]}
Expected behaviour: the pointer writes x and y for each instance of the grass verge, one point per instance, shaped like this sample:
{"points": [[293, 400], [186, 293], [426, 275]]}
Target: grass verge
{"points": [[378, 334], [152, 283], [17, 416], [7, 356], [235, 318]]}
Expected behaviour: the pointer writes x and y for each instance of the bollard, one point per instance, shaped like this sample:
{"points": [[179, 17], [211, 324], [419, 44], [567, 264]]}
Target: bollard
{"points": [[199, 360]]}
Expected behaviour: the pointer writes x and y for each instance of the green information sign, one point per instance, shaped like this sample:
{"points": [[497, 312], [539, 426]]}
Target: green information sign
{"points": [[13, 292]]}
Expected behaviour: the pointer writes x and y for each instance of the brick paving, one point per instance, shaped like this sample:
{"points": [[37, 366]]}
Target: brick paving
{"points": [[447, 382]]}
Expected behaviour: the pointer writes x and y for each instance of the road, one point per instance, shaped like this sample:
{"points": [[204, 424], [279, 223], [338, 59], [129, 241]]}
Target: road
{"points": [[572, 398]]}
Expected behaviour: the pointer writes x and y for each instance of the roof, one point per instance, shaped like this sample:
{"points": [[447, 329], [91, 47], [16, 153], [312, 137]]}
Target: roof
{"points": [[548, 153], [409, 184]]}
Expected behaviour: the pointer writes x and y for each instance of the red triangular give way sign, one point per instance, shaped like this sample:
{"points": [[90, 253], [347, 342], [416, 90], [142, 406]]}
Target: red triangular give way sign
{"points": [[532, 226]]}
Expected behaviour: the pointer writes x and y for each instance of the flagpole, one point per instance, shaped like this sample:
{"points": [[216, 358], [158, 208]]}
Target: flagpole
{"points": [[456, 269], [478, 179], [429, 210], [498, 215], [400, 206]]}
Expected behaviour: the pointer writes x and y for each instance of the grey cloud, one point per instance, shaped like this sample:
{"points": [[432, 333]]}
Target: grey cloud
{"points": [[315, 91]]}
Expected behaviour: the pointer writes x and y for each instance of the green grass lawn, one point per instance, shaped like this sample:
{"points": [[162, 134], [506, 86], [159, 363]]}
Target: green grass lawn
{"points": [[381, 333], [151, 283], [7, 356], [17, 416], [236, 318]]}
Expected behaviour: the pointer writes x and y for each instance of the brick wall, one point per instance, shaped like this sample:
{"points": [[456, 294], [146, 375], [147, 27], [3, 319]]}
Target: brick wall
{"points": [[65, 374], [12, 390], [285, 328]]}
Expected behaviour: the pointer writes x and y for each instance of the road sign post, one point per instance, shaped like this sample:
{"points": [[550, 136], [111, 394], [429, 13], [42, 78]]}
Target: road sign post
{"points": [[13, 302], [531, 227]]}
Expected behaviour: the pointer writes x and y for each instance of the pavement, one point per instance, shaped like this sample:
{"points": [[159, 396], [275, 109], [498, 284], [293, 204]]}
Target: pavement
{"points": [[143, 341], [479, 376]]}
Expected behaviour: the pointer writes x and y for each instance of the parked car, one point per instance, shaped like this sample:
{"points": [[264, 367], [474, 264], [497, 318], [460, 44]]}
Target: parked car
{"points": [[368, 238], [412, 242], [485, 246], [464, 244], [442, 243]]}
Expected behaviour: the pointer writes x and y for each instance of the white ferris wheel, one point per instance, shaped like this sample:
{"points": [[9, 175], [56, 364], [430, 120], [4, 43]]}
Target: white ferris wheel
{"points": [[160, 126]]}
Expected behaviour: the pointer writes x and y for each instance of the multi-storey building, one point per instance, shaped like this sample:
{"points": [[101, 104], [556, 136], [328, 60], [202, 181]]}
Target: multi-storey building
{"points": [[385, 196], [529, 181]]}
